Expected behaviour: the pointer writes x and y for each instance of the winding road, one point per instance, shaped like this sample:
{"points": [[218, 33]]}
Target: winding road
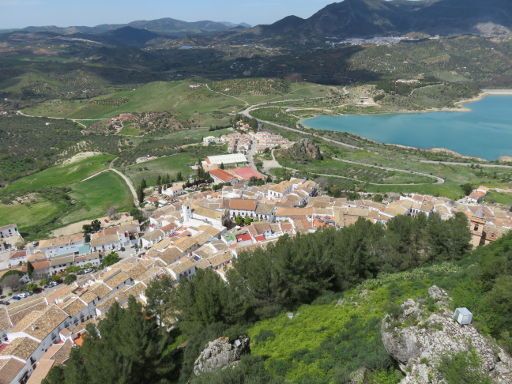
{"points": [[123, 176], [275, 164]]}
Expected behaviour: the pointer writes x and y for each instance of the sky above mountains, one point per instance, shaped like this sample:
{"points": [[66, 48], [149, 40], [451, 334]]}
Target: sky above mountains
{"points": [[22, 13]]}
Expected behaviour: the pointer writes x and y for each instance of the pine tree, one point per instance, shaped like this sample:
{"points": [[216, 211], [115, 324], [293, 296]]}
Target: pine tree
{"points": [[127, 347]]}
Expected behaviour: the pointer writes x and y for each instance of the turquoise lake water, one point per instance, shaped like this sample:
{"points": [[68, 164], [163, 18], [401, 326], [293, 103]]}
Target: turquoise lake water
{"points": [[484, 132]]}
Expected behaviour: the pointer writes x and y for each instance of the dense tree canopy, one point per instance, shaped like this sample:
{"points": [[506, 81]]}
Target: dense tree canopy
{"points": [[126, 347]]}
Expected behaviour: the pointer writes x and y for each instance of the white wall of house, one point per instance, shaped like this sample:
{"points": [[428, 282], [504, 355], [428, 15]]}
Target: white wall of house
{"points": [[108, 247], [242, 213], [63, 250], [9, 231]]}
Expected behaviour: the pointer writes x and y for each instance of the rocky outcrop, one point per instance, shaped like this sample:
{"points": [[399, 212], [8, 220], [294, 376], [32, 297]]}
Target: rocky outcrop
{"points": [[220, 354], [305, 149], [424, 332]]}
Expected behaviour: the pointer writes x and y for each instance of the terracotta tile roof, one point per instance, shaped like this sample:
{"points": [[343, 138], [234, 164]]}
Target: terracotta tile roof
{"points": [[59, 353], [246, 173], [60, 292], [259, 228], [209, 213], [186, 243], [210, 230], [243, 237], [21, 348], [220, 259], [105, 240], [18, 255], [86, 258], [9, 369], [27, 321], [81, 327], [137, 270], [265, 209], [136, 290], [74, 307], [117, 280], [222, 175], [68, 259], [203, 264], [170, 255], [41, 265], [242, 204], [293, 212], [17, 311], [77, 238], [101, 290], [50, 319], [43, 367], [153, 235], [182, 265]]}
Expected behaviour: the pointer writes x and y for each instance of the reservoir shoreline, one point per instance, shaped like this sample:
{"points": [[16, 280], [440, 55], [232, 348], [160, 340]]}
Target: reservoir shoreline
{"points": [[485, 134]]}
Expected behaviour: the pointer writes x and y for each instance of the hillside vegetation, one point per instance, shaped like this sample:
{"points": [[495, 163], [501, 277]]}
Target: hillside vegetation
{"points": [[313, 305], [58, 196]]}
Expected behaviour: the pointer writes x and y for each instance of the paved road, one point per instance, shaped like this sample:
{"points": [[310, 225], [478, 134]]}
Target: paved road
{"points": [[438, 179], [247, 112], [483, 165], [275, 164], [77, 121]]}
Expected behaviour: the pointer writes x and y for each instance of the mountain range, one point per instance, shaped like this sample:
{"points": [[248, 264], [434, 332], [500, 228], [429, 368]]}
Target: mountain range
{"points": [[337, 21], [369, 18], [164, 26]]}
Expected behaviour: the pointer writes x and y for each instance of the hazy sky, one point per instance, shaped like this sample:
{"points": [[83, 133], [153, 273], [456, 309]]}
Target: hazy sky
{"points": [[21, 13]]}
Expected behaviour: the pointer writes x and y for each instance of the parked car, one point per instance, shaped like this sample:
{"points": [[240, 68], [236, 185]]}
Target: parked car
{"points": [[53, 284], [17, 297], [3, 302]]}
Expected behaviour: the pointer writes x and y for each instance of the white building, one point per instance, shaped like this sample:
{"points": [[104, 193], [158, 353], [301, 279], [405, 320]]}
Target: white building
{"points": [[231, 160], [64, 245], [8, 231]]}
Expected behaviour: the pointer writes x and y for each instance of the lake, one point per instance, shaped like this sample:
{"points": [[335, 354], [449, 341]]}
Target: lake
{"points": [[485, 131]]}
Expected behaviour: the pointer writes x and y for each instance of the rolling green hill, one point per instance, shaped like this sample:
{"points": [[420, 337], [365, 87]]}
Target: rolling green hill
{"points": [[57, 196]]}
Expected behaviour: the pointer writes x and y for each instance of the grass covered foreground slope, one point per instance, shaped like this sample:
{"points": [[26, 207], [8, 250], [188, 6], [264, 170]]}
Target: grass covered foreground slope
{"points": [[325, 341]]}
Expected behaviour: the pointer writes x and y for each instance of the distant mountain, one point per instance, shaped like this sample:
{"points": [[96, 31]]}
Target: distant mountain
{"points": [[165, 26], [369, 18], [127, 36], [172, 26]]}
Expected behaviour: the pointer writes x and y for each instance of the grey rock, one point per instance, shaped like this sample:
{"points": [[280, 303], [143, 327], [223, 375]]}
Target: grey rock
{"points": [[220, 354], [359, 376], [305, 149], [418, 340]]}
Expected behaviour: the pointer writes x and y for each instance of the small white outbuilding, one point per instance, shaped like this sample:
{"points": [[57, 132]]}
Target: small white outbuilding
{"points": [[463, 316]]}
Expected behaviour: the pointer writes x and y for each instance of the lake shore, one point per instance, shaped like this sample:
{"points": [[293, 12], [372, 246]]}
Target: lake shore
{"points": [[436, 146]]}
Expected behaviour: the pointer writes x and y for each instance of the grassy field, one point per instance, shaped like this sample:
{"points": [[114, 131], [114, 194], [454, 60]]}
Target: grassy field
{"points": [[357, 173], [57, 196], [169, 165], [59, 176], [182, 98], [26, 215], [97, 195], [499, 198]]}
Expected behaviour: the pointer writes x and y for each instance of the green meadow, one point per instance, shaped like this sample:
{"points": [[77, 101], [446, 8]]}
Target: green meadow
{"points": [[58, 196]]}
